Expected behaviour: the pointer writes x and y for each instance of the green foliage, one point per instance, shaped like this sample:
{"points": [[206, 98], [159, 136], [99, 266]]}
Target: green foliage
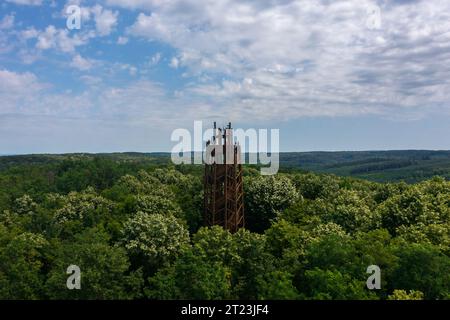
{"points": [[286, 240], [104, 269], [375, 248], [352, 211], [403, 295], [333, 285], [215, 244], [85, 208], [156, 204], [265, 197], [21, 264], [250, 263], [191, 277], [381, 166], [65, 216], [403, 209], [418, 205], [133, 224], [277, 285], [424, 268], [332, 252], [312, 186], [154, 239]]}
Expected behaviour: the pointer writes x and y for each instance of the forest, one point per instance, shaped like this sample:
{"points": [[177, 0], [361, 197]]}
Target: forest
{"points": [[134, 226]]}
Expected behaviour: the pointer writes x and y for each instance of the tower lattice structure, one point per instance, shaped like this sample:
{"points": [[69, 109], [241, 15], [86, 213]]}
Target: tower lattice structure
{"points": [[223, 183]]}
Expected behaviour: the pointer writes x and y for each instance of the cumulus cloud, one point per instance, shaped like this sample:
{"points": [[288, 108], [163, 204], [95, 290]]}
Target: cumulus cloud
{"points": [[52, 37], [281, 59], [139, 102], [16, 90], [105, 19], [12, 82], [81, 63], [307, 58]]}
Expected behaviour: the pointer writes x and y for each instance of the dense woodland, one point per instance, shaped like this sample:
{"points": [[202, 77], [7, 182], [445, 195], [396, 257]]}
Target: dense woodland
{"points": [[134, 227], [380, 166]]}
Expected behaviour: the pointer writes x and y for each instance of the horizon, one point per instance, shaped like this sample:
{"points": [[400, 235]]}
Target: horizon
{"points": [[168, 152]]}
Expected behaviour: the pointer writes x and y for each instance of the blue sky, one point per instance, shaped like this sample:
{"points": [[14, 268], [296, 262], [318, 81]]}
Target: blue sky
{"points": [[330, 75]]}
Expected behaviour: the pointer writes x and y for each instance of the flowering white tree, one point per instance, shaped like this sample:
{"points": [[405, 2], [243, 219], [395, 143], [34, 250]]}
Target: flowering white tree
{"points": [[157, 237], [265, 197]]}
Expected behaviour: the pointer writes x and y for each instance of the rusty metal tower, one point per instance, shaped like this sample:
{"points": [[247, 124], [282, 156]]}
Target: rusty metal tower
{"points": [[223, 184]]}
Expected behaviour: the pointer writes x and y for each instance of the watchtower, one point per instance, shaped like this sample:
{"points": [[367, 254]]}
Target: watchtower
{"points": [[223, 184]]}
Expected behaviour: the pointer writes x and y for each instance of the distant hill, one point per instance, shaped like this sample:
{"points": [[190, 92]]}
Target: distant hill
{"points": [[397, 165], [382, 166]]}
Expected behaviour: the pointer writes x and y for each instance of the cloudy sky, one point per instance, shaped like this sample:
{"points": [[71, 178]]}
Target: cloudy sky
{"points": [[331, 75]]}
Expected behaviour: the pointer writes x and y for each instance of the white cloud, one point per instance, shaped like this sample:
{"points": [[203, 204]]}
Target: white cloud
{"points": [[105, 19], [27, 2], [91, 80], [7, 22], [47, 39], [132, 70], [57, 38], [29, 33], [282, 59], [16, 90], [81, 63], [174, 63], [139, 102], [132, 4], [28, 56], [16, 82], [154, 60], [307, 58], [122, 40]]}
